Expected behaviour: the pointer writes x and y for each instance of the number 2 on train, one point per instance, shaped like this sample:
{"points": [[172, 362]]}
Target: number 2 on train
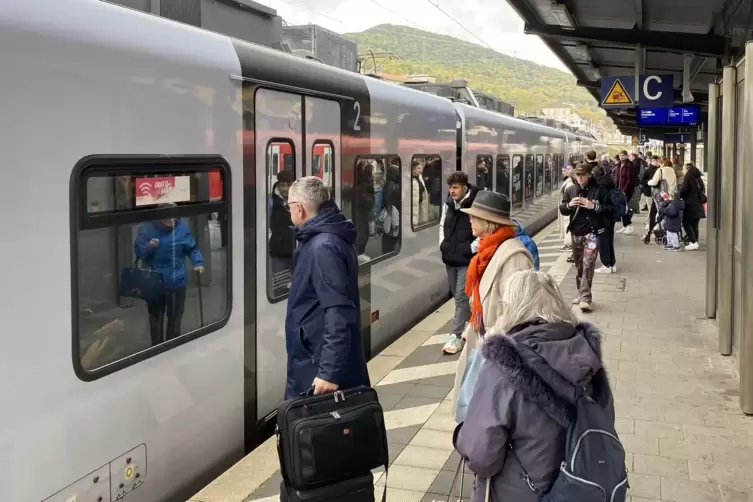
{"points": [[357, 108]]}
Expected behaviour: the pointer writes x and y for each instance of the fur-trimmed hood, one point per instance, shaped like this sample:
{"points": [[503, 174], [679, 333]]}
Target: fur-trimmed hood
{"points": [[548, 363]]}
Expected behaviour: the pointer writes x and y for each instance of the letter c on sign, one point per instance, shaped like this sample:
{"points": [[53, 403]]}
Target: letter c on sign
{"points": [[646, 94]]}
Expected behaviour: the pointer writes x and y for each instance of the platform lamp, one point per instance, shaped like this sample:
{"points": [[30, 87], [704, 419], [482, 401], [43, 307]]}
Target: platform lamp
{"points": [[562, 15]]}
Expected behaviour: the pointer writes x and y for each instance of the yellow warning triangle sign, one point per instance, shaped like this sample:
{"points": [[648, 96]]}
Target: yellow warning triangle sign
{"points": [[617, 95]]}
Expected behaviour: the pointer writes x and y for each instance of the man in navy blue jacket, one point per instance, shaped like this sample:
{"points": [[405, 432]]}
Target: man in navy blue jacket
{"points": [[322, 327]]}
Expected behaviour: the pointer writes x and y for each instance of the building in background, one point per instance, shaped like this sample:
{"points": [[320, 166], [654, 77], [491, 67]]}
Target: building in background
{"points": [[243, 19], [567, 115], [314, 42]]}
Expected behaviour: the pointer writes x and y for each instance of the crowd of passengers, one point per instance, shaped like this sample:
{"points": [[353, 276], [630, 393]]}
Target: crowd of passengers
{"points": [[515, 317]]}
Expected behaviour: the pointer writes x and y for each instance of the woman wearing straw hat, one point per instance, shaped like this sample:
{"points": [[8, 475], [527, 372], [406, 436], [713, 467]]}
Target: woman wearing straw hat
{"points": [[499, 255]]}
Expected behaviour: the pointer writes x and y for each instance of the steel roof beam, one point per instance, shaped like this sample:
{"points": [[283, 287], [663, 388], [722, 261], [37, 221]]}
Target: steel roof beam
{"points": [[682, 43]]}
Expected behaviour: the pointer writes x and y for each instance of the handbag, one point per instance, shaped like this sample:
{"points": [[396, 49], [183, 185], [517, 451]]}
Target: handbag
{"points": [[701, 193], [327, 439], [143, 283], [475, 361]]}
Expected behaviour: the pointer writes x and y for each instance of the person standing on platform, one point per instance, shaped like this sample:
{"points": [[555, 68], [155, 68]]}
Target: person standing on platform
{"points": [[693, 193], [606, 241], [584, 204], [625, 177], [458, 245], [322, 326]]}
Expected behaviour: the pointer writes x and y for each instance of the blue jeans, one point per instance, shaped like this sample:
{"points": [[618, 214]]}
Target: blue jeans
{"points": [[456, 278]]}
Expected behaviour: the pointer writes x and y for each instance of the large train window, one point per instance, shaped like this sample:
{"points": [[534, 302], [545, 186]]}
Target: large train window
{"points": [[528, 178], [280, 236], [517, 181], [484, 165], [548, 172], [427, 195], [503, 175], [323, 163], [151, 260], [539, 174], [377, 204]]}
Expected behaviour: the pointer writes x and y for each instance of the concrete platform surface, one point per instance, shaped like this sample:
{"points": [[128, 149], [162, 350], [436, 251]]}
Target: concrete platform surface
{"points": [[676, 397]]}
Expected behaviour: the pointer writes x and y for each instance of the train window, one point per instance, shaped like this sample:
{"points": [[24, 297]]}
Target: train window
{"points": [[377, 205], [484, 165], [517, 181], [503, 175], [427, 194], [528, 178], [539, 174], [151, 260], [548, 173], [280, 236], [322, 163]]}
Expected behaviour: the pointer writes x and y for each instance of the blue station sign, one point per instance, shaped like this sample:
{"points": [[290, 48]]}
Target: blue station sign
{"points": [[668, 117], [653, 91]]}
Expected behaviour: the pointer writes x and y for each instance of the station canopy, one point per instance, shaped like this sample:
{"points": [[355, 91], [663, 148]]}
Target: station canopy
{"points": [[604, 38]]}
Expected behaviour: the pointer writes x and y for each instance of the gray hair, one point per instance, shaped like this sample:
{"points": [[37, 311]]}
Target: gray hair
{"points": [[530, 295], [311, 192], [605, 157]]}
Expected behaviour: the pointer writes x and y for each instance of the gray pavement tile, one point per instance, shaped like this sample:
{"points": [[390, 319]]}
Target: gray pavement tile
{"points": [[430, 391], [439, 381], [402, 435], [413, 401], [444, 481], [423, 355]]}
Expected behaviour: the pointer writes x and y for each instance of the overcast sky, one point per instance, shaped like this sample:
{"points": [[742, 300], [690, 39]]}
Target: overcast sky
{"points": [[493, 21]]}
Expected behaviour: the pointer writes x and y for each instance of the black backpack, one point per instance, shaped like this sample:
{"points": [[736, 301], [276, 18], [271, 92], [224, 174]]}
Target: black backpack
{"points": [[594, 467], [619, 203]]}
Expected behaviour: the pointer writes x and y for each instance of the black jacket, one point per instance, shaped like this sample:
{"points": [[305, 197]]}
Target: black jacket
{"points": [[457, 234], [691, 188], [672, 212], [584, 221], [282, 241], [648, 173]]}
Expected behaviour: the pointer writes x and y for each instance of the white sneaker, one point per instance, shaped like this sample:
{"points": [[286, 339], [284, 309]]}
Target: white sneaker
{"points": [[620, 230], [628, 230], [585, 307], [614, 269], [692, 246], [603, 270], [453, 345], [646, 227]]}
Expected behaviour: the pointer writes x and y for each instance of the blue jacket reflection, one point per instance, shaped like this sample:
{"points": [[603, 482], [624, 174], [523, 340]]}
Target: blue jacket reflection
{"points": [[322, 327], [169, 258]]}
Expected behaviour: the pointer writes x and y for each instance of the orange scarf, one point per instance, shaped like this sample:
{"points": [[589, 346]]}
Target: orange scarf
{"points": [[486, 248]]}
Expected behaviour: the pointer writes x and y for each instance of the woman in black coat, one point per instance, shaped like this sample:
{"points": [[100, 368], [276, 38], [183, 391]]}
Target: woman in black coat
{"points": [[691, 191]]}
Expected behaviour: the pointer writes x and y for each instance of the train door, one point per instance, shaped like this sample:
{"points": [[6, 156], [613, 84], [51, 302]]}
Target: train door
{"points": [[280, 148], [322, 139]]}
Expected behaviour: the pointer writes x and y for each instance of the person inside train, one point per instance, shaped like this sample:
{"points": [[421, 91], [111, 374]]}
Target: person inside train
{"points": [[281, 240], [584, 203], [391, 236], [457, 245], [606, 241], [365, 200], [625, 176], [664, 180], [693, 193], [483, 175], [537, 356], [433, 181], [499, 255], [322, 325], [164, 245], [378, 171], [419, 194]]}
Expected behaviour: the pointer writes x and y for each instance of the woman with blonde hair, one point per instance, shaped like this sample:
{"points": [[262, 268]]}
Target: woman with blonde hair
{"points": [[499, 255], [538, 357]]}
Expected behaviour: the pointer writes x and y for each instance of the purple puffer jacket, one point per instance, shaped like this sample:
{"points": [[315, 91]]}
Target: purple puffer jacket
{"points": [[526, 398]]}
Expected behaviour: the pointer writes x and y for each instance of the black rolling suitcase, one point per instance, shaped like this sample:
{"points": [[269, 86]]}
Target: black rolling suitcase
{"points": [[329, 444]]}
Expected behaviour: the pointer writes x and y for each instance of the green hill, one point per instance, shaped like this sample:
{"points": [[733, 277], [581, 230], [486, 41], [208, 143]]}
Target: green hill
{"points": [[526, 85]]}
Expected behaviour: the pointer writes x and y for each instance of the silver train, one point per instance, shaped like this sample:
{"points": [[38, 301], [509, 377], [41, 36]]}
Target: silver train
{"points": [[109, 111]]}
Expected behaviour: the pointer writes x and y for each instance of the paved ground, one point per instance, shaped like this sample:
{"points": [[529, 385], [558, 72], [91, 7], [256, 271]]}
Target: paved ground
{"points": [[677, 398]]}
